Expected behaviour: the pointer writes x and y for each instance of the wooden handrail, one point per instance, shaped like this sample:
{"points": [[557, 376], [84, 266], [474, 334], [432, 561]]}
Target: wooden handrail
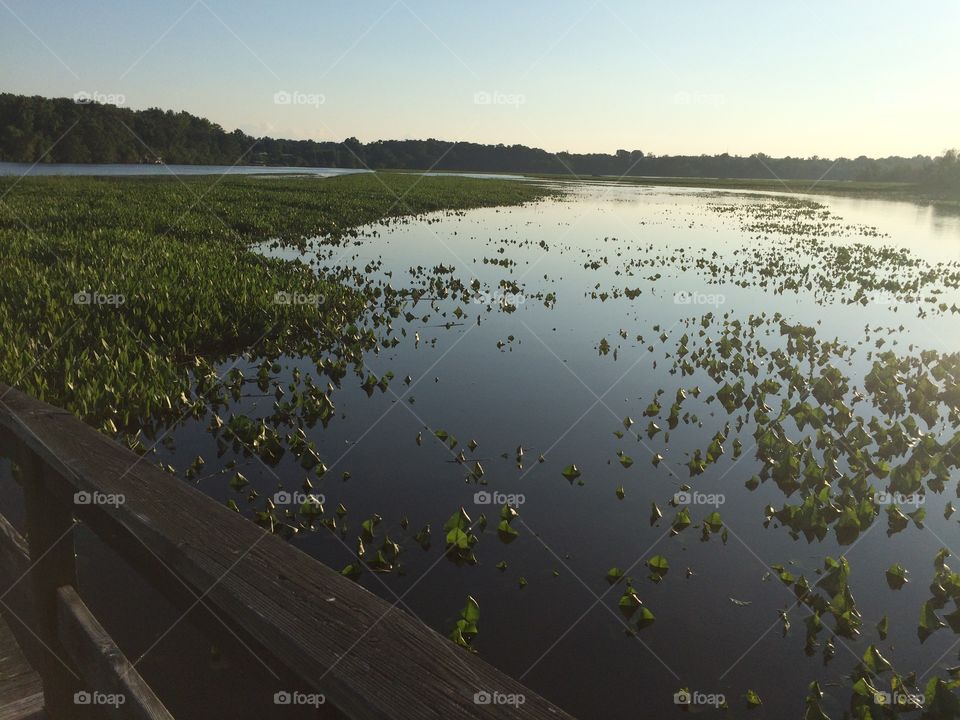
{"points": [[102, 667], [368, 658]]}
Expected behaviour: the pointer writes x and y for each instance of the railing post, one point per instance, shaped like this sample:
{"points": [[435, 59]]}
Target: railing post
{"points": [[52, 565]]}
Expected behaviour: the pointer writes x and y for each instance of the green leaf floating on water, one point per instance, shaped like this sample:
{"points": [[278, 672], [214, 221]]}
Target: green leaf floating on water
{"points": [[614, 575], [655, 513], [953, 620], [466, 628], [643, 617], [866, 690], [571, 472], [681, 520], [459, 520], [883, 627], [874, 661], [503, 528], [753, 700], [630, 600], [697, 464], [471, 611], [814, 711], [896, 576], [896, 520], [714, 521], [369, 525], [238, 482], [658, 564], [929, 622], [939, 698]]}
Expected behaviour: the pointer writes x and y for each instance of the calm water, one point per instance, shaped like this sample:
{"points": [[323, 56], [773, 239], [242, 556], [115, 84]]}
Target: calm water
{"points": [[148, 169], [122, 169], [535, 378]]}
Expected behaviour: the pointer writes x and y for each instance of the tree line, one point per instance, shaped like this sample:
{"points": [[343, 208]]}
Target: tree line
{"points": [[62, 130]]}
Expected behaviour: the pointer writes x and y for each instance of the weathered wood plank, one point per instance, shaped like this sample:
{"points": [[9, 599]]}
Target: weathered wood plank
{"points": [[371, 660], [50, 526], [21, 693], [104, 668], [16, 601], [14, 555]]}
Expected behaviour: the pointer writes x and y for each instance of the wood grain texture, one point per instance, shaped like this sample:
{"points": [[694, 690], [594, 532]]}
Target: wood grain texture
{"points": [[370, 659], [103, 667], [21, 693]]}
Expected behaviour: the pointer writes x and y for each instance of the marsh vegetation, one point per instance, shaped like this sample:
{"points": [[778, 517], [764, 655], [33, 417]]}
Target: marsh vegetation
{"points": [[627, 443]]}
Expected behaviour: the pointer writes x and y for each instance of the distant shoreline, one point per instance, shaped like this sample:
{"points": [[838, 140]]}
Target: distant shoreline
{"points": [[902, 191]]}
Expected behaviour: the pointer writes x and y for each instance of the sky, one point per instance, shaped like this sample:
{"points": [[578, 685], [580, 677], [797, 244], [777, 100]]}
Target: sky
{"points": [[832, 78]]}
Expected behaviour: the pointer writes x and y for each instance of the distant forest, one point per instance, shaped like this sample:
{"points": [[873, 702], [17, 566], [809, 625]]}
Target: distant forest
{"points": [[35, 128]]}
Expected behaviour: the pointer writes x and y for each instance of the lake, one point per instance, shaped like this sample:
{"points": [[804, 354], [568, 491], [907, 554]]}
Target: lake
{"points": [[139, 169], [570, 328], [121, 169]]}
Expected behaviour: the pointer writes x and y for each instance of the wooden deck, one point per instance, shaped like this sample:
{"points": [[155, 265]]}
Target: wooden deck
{"points": [[21, 693], [318, 630]]}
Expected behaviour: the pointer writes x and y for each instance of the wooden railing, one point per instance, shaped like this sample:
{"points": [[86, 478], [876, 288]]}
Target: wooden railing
{"points": [[320, 632]]}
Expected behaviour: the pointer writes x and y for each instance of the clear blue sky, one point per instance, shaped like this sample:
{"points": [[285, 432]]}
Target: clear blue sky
{"points": [[800, 78]]}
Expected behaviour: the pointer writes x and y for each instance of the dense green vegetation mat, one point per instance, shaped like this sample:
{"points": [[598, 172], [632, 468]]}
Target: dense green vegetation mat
{"points": [[118, 295]]}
